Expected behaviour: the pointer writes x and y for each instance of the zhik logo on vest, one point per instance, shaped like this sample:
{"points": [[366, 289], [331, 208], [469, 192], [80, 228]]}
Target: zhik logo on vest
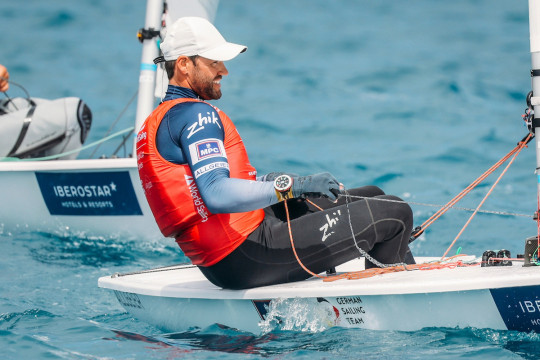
{"points": [[203, 120]]}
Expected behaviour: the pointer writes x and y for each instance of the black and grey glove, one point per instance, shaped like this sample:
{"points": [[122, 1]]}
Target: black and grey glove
{"points": [[323, 184]]}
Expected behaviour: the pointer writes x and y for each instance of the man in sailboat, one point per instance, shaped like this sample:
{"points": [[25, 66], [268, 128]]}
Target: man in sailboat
{"points": [[232, 224]]}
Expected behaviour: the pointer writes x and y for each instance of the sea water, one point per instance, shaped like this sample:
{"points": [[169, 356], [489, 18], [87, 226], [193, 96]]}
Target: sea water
{"points": [[418, 97]]}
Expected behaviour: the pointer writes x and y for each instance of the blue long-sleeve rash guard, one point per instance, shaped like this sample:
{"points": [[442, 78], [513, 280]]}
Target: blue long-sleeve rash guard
{"points": [[192, 133]]}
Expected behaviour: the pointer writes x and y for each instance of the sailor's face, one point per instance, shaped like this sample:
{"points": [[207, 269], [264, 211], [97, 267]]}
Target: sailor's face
{"points": [[206, 77]]}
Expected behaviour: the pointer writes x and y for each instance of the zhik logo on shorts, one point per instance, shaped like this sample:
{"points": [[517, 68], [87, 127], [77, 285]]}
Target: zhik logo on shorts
{"points": [[330, 222]]}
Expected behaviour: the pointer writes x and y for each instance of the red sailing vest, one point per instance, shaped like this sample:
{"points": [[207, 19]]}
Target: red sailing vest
{"points": [[175, 201]]}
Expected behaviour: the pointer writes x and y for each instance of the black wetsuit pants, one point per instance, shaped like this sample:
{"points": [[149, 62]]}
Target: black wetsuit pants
{"points": [[322, 239]]}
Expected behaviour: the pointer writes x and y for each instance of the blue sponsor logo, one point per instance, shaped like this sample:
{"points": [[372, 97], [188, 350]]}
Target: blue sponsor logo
{"points": [[207, 149], [519, 307], [92, 193]]}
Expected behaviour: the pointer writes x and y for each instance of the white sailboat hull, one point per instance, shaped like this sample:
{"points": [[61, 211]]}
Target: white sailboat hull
{"points": [[101, 197], [179, 298], [94, 197]]}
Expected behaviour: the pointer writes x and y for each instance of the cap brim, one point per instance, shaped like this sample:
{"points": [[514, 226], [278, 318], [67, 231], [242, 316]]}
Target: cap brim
{"points": [[224, 52]]}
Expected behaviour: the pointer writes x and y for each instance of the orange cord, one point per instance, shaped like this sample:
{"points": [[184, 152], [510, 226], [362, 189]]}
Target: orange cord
{"points": [[362, 274], [520, 147], [292, 244], [312, 203], [469, 188]]}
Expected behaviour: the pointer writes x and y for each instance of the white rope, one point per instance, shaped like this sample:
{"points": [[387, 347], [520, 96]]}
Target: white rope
{"points": [[440, 206]]}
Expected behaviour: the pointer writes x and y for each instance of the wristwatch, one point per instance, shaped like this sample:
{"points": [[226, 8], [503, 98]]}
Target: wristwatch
{"points": [[283, 186]]}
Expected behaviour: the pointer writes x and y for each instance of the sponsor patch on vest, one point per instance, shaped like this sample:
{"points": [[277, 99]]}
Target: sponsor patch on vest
{"points": [[206, 149], [213, 166]]}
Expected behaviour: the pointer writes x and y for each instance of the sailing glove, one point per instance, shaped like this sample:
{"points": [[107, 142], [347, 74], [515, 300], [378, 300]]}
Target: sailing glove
{"points": [[323, 184]]}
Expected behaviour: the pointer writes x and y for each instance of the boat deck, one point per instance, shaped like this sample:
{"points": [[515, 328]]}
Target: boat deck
{"points": [[186, 281]]}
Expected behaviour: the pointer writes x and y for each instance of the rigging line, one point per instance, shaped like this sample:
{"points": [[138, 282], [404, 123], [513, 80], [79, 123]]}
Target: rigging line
{"points": [[538, 218], [19, 85], [180, 266], [420, 229], [360, 250], [116, 121], [521, 146], [494, 212], [382, 267], [55, 156], [468, 189], [294, 248]]}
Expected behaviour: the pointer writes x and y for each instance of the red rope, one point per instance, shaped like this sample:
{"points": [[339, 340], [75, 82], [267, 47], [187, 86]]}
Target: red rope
{"points": [[292, 244], [521, 145], [469, 188]]}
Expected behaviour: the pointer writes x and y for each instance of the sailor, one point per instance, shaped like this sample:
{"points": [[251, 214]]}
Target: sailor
{"points": [[4, 79], [204, 192]]}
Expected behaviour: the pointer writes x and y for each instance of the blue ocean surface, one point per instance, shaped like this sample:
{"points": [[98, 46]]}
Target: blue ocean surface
{"points": [[419, 97]]}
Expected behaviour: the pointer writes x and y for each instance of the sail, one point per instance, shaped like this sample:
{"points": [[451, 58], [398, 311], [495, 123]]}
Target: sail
{"points": [[202, 8]]}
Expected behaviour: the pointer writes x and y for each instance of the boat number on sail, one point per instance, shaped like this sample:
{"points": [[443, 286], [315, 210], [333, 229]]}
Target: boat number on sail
{"points": [[128, 299], [90, 193], [519, 307]]}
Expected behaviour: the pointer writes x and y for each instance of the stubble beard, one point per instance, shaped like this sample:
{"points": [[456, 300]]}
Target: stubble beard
{"points": [[205, 87]]}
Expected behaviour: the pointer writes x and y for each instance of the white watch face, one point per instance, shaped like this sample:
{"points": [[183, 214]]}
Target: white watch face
{"points": [[283, 183]]}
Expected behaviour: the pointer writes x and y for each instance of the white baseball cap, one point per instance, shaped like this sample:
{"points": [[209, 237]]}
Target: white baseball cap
{"points": [[190, 36]]}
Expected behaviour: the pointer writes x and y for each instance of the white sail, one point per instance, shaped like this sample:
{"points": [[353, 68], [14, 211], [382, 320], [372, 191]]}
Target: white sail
{"points": [[202, 8]]}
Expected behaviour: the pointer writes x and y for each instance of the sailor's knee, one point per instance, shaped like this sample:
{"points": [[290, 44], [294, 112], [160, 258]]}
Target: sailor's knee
{"points": [[374, 190], [367, 191], [402, 210]]}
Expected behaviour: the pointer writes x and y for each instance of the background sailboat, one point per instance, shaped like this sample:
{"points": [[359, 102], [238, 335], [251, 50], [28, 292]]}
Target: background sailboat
{"points": [[95, 197]]}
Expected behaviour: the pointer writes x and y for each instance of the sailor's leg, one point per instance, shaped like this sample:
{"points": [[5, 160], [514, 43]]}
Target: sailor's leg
{"points": [[322, 240], [392, 223]]}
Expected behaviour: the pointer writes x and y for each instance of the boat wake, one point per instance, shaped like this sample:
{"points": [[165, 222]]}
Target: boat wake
{"points": [[299, 314]]}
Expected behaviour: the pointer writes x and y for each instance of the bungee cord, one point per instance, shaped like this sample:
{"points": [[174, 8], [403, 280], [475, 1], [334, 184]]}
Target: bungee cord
{"points": [[20, 86]]}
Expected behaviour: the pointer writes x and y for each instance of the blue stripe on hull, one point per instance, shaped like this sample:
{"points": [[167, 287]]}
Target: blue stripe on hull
{"points": [[519, 307]]}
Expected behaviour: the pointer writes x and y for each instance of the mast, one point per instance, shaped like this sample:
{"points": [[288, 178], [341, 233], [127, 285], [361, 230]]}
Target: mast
{"points": [[147, 75], [534, 29], [154, 15]]}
